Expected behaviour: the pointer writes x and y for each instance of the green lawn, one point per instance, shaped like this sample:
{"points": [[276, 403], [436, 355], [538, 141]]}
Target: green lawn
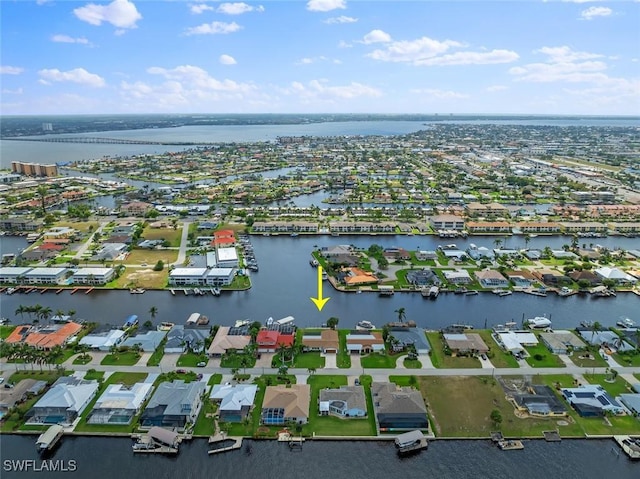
{"points": [[628, 359], [191, 360], [615, 388], [404, 380], [204, 424], [128, 358], [309, 360], [235, 361], [499, 358], [93, 374], [343, 359], [412, 363], [214, 379], [441, 360], [547, 358], [82, 359], [156, 356], [330, 425], [378, 360], [588, 359], [5, 331]]}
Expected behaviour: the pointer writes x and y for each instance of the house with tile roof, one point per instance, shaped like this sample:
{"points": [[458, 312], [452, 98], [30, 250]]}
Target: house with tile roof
{"points": [[286, 403], [268, 341], [235, 401], [44, 336], [326, 341], [224, 341]]}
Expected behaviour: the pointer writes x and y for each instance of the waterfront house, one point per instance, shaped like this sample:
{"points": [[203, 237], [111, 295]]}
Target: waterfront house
{"points": [[118, 404], [45, 276], [59, 232], [148, 341], [102, 341], [284, 404], [423, 277], [538, 400], [561, 342], [521, 278], [447, 222], [174, 404], [616, 275], [344, 402], [398, 408], [631, 401], [493, 227], [92, 276], [403, 338], [514, 342], [110, 251], [268, 341], [64, 402], [607, 339], [135, 208], [43, 252], [181, 339], [364, 342], [457, 276], [550, 277], [44, 336], [227, 257], [223, 341], [424, 255], [465, 343], [325, 341], [235, 401], [478, 253], [592, 400], [13, 274], [585, 275], [490, 278]]}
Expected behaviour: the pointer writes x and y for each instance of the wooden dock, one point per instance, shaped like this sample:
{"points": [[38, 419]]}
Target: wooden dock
{"points": [[88, 291], [237, 444], [60, 291], [74, 291]]}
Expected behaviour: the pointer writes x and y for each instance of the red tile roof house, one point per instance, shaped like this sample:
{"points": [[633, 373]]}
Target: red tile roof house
{"points": [[44, 337], [268, 341], [223, 238]]}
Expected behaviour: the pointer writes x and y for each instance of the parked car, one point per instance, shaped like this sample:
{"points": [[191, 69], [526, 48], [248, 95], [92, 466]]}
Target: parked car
{"points": [[181, 371], [483, 356], [1, 380], [201, 364]]}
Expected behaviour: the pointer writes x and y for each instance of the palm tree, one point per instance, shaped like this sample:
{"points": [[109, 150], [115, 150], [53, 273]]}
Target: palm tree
{"points": [[597, 327], [42, 192], [281, 349], [59, 313], [45, 313], [153, 311], [401, 314], [71, 313], [20, 311], [527, 240], [497, 242]]}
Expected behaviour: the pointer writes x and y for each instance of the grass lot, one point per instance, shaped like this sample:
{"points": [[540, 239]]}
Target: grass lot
{"points": [[82, 226], [594, 360], [548, 359], [128, 358], [309, 360], [141, 277], [461, 406], [214, 379], [499, 358], [93, 374], [441, 360], [5, 331], [239, 282], [404, 381], [204, 423], [191, 360], [412, 363], [343, 359], [151, 257], [379, 360], [82, 359], [115, 378], [331, 425], [166, 234], [234, 361]]}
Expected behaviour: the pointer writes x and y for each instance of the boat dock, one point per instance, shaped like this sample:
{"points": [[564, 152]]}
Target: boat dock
{"points": [[157, 441], [48, 439], [630, 445], [237, 444]]}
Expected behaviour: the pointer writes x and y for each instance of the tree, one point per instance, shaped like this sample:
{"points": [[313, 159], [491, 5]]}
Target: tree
{"points": [[597, 327], [282, 371], [311, 370], [281, 350], [332, 322], [42, 193], [401, 314], [496, 417]]}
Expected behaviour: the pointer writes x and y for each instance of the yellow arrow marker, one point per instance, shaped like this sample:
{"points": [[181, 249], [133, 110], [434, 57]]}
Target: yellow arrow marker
{"points": [[320, 301]]}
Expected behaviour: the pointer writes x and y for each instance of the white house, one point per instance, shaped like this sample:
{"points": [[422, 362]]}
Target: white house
{"points": [[459, 276], [12, 274], [45, 276], [227, 258], [119, 403], [616, 275], [93, 275], [187, 276], [220, 276], [103, 341]]}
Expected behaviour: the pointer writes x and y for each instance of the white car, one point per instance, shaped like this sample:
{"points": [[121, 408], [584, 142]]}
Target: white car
{"points": [[1, 380]]}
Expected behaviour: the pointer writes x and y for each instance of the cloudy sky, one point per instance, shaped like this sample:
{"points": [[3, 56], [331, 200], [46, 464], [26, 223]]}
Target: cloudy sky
{"points": [[320, 56]]}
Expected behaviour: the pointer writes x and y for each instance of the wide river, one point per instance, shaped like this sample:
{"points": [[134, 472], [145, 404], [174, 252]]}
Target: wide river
{"points": [[283, 287]]}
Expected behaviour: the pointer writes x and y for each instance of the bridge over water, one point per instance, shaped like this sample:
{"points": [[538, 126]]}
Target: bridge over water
{"points": [[109, 141]]}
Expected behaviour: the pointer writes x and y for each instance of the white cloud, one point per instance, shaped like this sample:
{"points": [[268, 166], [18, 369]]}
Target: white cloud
{"points": [[17, 91], [326, 5], [592, 12], [119, 13], [494, 88], [376, 36], [319, 90], [199, 8], [437, 94], [227, 60], [77, 75], [60, 38], [238, 8], [340, 19], [213, 28], [343, 44], [564, 54], [197, 78], [321, 58], [9, 70], [413, 50], [471, 58]]}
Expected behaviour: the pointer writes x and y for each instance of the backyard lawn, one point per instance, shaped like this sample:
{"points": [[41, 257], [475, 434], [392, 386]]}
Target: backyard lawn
{"points": [[331, 425], [541, 357]]}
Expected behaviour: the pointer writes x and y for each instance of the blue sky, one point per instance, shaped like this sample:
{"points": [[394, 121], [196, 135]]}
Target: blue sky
{"points": [[320, 56]]}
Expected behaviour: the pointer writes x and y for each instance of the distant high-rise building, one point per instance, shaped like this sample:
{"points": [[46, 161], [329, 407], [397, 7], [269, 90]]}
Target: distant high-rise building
{"points": [[34, 169], [47, 127]]}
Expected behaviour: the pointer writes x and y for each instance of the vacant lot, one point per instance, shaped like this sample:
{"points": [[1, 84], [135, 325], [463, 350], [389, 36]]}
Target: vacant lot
{"points": [[142, 278], [151, 256], [166, 234]]}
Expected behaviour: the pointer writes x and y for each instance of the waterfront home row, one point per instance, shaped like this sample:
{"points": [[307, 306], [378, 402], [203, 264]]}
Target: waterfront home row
{"points": [[55, 275]]}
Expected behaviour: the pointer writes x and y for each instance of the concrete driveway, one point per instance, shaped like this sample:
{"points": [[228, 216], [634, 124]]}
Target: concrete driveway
{"points": [[486, 363], [330, 361]]}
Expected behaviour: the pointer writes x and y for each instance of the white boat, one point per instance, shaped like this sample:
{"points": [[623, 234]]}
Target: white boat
{"points": [[285, 320], [365, 325], [630, 445], [411, 441], [137, 291], [165, 326], [539, 322], [325, 276], [11, 290], [625, 322], [505, 293], [242, 322]]}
